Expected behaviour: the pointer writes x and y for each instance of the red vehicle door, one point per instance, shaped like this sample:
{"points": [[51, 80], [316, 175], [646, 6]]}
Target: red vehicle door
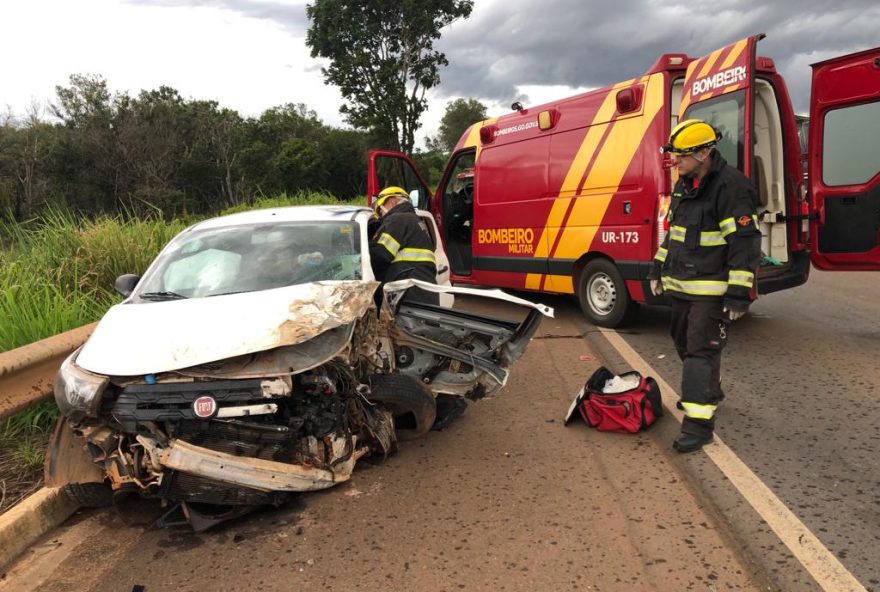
{"points": [[388, 168], [844, 162], [719, 89]]}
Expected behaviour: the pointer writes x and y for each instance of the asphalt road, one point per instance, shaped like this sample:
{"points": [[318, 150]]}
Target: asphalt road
{"points": [[802, 411], [507, 498]]}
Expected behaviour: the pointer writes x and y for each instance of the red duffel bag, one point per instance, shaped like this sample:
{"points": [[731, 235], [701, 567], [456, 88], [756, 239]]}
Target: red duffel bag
{"points": [[610, 403]]}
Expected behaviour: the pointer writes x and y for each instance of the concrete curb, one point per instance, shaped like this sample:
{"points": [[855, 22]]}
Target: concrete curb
{"points": [[23, 524]]}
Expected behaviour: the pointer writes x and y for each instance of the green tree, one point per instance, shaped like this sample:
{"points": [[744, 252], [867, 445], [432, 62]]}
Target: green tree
{"points": [[382, 58], [86, 99], [460, 114], [90, 170], [221, 131]]}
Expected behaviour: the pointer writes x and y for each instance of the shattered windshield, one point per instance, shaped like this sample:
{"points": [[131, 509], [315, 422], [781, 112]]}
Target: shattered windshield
{"points": [[217, 261]]}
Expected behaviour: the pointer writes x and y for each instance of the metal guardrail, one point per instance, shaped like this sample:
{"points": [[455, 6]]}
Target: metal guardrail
{"points": [[27, 374]]}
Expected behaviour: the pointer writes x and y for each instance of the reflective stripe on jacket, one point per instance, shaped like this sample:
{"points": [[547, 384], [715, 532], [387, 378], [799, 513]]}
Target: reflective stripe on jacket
{"points": [[713, 246], [401, 248]]}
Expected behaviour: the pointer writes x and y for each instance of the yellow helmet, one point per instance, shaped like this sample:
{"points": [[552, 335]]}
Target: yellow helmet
{"points": [[393, 191], [690, 136]]}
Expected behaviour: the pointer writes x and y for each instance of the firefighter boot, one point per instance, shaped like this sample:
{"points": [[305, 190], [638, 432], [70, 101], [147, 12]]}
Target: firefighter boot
{"points": [[694, 435]]}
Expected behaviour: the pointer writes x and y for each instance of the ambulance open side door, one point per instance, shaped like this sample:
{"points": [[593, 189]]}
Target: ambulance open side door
{"points": [[844, 162]]}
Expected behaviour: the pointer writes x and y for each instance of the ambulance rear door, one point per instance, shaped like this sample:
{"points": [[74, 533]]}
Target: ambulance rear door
{"points": [[719, 89], [844, 162]]}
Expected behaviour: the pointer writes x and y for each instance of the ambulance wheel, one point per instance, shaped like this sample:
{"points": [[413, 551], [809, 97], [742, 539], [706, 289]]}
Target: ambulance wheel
{"points": [[603, 295]]}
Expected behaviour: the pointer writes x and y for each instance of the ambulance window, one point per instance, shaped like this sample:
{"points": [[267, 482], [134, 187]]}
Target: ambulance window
{"points": [[725, 113], [849, 140], [458, 195], [461, 178]]}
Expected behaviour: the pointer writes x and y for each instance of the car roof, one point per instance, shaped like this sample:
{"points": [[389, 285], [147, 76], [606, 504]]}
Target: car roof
{"points": [[286, 214]]}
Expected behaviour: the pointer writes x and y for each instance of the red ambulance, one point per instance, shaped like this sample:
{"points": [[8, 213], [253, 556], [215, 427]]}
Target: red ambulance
{"points": [[570, 197]]}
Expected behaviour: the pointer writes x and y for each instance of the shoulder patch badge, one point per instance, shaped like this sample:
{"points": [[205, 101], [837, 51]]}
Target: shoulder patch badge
{"points": [[744, 220]]}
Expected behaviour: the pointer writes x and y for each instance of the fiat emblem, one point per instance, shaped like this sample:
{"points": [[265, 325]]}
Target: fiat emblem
{"points": [[204, 407]]}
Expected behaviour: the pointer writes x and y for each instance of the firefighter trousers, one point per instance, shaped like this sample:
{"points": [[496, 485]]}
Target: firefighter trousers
{"points": [[699, 330]]}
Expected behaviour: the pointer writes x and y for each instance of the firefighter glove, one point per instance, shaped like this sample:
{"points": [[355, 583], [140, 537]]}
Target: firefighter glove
{"points": [[656, 287], [735, 309]]}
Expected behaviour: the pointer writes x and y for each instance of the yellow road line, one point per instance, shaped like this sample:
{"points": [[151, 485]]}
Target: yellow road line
{"points": [[825, 568]]}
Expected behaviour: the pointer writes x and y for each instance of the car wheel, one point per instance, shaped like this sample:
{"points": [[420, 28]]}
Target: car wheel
{"points": [[90, 495], [411, 403], [603, 295]]}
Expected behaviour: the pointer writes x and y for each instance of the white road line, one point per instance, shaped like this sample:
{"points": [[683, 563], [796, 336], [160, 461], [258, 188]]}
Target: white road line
{"points": [[816, 559]]}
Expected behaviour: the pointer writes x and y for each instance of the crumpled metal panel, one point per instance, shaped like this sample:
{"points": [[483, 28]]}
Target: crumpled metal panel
{"points": [[254, 473], [395, 290], [282, 361], [152, 337]]}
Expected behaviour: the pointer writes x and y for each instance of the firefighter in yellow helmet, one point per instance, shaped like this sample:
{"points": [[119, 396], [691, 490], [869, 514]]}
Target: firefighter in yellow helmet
{"points": [[706, 266], [400, 247]]}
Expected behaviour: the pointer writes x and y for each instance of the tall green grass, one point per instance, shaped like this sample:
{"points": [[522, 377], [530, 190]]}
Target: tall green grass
{"points": [[58, 271], [296, 199]]}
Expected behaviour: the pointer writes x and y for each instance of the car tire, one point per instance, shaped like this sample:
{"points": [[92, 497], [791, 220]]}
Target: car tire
{"points": [[411, 403], [90, 495], [603, 296]]}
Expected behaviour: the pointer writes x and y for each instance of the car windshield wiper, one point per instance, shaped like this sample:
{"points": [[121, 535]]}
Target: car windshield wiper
{"points": [[161, 296]]}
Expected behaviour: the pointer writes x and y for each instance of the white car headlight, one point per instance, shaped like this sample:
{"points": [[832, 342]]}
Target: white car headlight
{"points": [[77, 391]]}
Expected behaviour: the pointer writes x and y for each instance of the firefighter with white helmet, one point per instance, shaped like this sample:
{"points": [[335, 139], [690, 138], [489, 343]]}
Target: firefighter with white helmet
{"points": [[400, 248], [706, 265]]}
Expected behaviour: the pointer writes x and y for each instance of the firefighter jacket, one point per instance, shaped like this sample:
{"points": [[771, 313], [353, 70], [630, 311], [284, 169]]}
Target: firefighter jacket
{"points": [[713, 246], [401, 249]]}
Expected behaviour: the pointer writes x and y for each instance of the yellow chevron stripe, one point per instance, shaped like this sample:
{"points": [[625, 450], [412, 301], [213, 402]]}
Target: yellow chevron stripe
{"points": [[734, 55], [533, 281], [605, 176], [573, 178], [563, 284], [473, 138], [708, 63], [578, 168]]}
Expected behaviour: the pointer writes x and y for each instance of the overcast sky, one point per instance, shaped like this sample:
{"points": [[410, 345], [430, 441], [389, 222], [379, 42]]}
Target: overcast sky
{"points": [[250, 55]]}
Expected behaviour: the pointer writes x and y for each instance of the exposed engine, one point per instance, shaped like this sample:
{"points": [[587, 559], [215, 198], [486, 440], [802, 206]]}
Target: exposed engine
{"points": [[319, 419]]}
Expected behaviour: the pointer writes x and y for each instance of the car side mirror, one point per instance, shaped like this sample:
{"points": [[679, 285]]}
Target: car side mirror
{"points": [[126, 283]]}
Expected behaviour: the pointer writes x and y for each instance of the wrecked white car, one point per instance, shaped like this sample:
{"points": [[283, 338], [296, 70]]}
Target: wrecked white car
{"points": [[250, 361]]}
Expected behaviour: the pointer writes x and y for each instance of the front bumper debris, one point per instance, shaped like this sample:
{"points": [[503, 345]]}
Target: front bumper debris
{"points": [[253, 473]]}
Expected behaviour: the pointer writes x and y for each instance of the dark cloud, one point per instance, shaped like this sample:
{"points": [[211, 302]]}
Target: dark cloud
{"points": [[587, 43], [506, 44]]}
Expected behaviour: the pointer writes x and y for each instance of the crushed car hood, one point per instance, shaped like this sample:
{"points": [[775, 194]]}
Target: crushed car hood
{"points": [[146, 338]]}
